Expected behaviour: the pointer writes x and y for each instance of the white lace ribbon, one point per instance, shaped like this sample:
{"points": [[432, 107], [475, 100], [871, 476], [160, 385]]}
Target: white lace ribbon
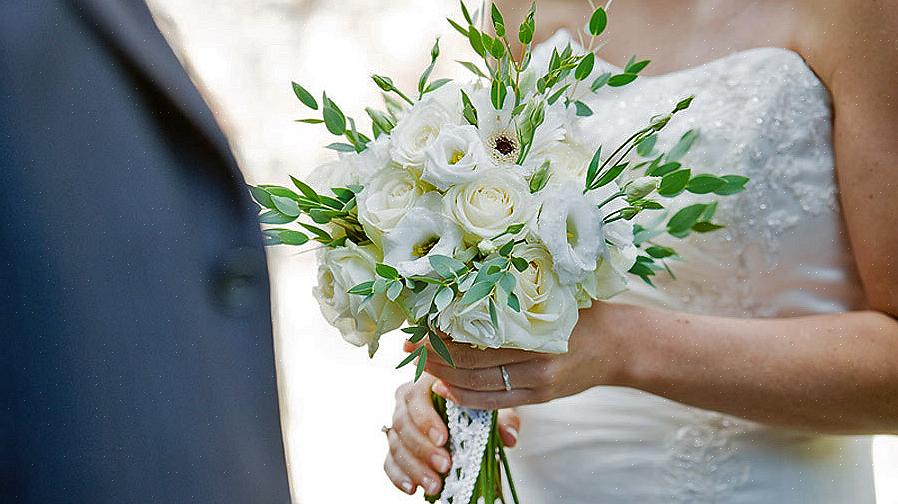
{"points": [[469, 431]]}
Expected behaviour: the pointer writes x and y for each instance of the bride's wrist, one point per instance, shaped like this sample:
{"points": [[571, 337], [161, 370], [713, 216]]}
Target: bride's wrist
{"points": [[620, 329]]}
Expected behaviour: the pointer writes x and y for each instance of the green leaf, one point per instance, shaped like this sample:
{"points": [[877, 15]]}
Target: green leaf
{"points": [[520, 264], [387, 271], [498, 92], [664, 169], [584, 68], [684, 219], [506, 249], [437, 84], [598, 22], [610, 175], [310, 121], [659, 252], [470, 112], [333, 117], [458, 27], [476, 41], [733, 184], [498, 21], [443, 297], [465, 13], [494, 317], [286, 206], [304, 188], [261, 196], [593, 169], [705, 183], [600, 81], [275, 217], [434, 54], [525, 31], [472, 68], [422, 361], [394, 290], [583, 109], [362, 289], [673, 183], [410, 357], [507, 282], [706, 227], [440, 348], [683, 145], [513, 302], [621, 79], [341, 147], [289, 236], [645, 146], [305, 97], [636, 67], [555, 96], [709, 212], [446, 266], [477, 292]]}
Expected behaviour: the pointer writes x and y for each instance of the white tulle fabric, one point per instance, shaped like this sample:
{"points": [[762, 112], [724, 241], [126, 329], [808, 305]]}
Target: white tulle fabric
{"points": [[763, 114]]}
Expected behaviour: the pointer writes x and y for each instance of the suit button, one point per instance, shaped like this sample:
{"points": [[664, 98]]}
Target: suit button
{"points": [[238, 280]]}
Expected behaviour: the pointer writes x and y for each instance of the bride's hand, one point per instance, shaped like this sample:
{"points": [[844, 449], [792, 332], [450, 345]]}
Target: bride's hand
{"points": [[418, 437], [596, 356]]}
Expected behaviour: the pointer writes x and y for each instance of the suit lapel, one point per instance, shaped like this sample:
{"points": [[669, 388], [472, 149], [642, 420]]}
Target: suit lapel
{"points": [[129, 26]]}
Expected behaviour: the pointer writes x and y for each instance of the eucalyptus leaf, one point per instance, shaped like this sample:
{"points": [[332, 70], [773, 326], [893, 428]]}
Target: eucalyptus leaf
{"points": [[477, 292], [683, 145], [600, 81], [598, 21], [621, 79], [439, 346], [304, 96], [674, 183], [286, 206], [684, 219], [705, 183], [275, 217]]}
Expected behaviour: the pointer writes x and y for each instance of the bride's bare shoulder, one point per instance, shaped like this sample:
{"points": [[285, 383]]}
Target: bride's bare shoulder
{"points": [[839, 38]]}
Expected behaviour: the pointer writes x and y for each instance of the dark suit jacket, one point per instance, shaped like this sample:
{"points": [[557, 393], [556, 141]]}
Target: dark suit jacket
{"points": [[136, 358]]}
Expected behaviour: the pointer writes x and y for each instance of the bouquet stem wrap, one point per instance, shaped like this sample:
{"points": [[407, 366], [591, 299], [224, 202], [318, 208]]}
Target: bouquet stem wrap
{"points": [[478, 457]]}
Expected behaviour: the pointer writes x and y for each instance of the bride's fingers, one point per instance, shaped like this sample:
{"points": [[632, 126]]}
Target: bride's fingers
{"points": [[420, 408], [414, 468], [509, 427], [399, 478], [488, 400], [418, 443], [523, 375]]}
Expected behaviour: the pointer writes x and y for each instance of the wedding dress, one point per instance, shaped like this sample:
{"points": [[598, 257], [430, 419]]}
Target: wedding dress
{"points": [[762, 113]]}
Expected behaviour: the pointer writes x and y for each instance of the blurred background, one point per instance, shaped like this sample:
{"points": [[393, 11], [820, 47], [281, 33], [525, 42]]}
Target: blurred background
{"points": [[243, 54]]}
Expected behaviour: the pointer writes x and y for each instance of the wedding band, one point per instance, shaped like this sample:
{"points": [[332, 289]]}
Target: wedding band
{"points": [[386, 430], [505, 379]]}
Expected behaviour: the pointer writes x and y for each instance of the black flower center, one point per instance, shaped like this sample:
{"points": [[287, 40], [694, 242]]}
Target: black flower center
{"points": [[505, 145]]}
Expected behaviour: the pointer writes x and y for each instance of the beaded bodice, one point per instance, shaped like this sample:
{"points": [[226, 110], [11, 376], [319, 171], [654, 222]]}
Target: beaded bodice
{"points": [[761, 113]]}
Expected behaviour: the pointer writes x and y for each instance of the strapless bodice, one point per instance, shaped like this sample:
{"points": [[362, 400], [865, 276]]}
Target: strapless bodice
{"points": [[761, 113]]}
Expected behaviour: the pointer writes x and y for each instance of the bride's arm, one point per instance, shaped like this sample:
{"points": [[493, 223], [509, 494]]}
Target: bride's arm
{"points": [[829, 373]]}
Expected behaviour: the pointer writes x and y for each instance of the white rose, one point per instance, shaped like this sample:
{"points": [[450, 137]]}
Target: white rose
{"points": [[418, 129], [455, 157], [487, 206], [372, 160], [420, 234], [568, 161], [360, 323], [570, 226], [337, 173], [471, 324], [549, 310], [386, 200]]}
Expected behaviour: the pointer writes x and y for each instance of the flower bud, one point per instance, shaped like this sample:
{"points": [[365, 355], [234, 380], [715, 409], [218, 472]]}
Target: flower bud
{"points": [[641, 187], [487, 247]]}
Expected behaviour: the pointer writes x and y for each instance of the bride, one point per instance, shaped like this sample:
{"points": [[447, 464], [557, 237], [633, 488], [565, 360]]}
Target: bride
{"points": [[761, 374]]}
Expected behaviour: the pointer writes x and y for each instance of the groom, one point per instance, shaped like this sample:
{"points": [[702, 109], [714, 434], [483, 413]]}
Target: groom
{"points": [[137, 362]]}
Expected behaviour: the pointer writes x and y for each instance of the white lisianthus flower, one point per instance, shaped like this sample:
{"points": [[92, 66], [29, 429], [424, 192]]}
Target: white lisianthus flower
{"points": [[549, 310], [386, 199], [455, 157], [568, 161], [420, 234], [570, 226], [610, 278], [337, 173], [341, 269], [485, 207], [418, 130], [471, 324]]}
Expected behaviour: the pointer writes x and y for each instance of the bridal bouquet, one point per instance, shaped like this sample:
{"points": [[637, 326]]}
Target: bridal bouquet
{"points": [[484, 212]]}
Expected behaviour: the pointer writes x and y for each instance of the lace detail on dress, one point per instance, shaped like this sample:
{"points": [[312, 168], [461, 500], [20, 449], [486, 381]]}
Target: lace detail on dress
{"points": [[469, 431], [703, 466]]}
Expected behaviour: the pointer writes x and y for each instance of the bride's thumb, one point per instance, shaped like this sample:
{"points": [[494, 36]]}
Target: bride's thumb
{"points": [[509, 427]]}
